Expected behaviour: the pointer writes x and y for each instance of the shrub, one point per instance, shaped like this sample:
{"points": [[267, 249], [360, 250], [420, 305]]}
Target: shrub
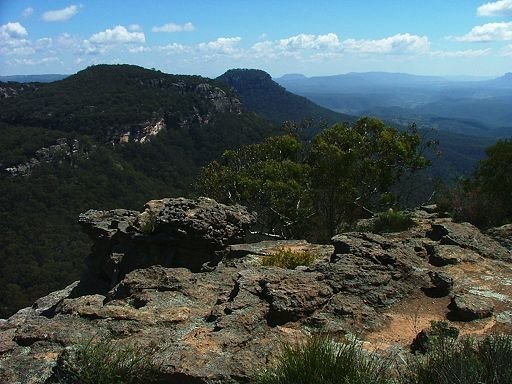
{"points": [[322, 360], [466, 361], [393, 221], [288, 258], [107, 362]]}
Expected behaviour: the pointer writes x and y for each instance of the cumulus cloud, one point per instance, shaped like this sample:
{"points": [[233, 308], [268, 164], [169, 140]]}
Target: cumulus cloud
{"points": [[12, 31], [61, 14], [223, 45], [400, 43], [172, 27], [27, 12], [497, 8], [304, 41], [487, 32], [113, 37], [117, 35], [134, 27], [12, 40]]}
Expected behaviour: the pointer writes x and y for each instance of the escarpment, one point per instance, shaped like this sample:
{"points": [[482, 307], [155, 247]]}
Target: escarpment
{"points": [[179, 276]]}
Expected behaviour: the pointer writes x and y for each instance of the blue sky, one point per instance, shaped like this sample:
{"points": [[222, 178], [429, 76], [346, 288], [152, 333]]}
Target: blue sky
{"points": [[207, 37]]}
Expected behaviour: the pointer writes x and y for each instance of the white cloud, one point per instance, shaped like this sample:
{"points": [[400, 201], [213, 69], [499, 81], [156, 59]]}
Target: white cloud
{"points": [[172, 27], [27, 12], [487, 32], [400, 43], [497, 8], [223, 45], [118, 35], [173, 48], [110, 38], [304, 41], [13, 31], [12, 40], [462, 54], [61, 14]]}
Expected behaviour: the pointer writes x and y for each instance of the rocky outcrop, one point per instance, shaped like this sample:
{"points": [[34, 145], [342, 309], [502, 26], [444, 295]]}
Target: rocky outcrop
{"points": [[170, 232], [467, 236], [168, 276], [64, 150]]}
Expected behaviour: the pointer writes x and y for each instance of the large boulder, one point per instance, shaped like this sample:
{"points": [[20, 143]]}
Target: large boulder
{"points": [[175, 232], [468, 307]]}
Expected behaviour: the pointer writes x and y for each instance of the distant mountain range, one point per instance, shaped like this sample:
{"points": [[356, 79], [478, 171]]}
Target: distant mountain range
{"points": [[478, 107], [47, 78]]}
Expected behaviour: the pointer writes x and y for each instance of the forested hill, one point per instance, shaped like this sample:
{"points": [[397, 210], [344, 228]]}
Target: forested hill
{"points": [[109, 136], [264, 96]]}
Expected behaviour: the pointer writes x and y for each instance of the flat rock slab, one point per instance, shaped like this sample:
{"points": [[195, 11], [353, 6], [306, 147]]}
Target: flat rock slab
{"points": [[468, 307], [467, 236]]}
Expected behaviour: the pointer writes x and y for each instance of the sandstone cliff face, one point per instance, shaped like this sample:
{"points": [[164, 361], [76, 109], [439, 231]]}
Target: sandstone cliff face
{"points": [[169, 276], [63, 150]]}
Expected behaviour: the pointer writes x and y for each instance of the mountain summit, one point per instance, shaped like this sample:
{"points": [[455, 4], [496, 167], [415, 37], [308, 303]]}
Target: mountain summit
{"points": [[264, 96]]}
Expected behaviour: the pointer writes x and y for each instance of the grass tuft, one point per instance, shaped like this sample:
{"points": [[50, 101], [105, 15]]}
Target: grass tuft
{"points": [[107, 362], [322, 360], [287, 258], [393, 221]]}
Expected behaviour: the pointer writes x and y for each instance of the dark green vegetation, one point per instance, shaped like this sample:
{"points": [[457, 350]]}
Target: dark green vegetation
{"points": [[41, 247], [324, 360], [107, 362], [267, 98], [310, 189], [288, 258], [466, 361], [484, 198]]}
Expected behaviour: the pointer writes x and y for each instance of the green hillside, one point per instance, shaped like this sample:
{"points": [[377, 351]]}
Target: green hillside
{"points": [[264, 96], [104, 110]]}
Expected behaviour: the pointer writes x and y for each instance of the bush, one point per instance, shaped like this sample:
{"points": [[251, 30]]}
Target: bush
{"points": [[466, 361], [287, 258], [107, 362], [393, 221], [322, 360]]}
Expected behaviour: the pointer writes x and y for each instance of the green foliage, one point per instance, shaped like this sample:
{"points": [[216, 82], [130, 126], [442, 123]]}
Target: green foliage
{"points": [[484, 199], [288, 258], [302, 189], [108, 362], [268, 178], [463, 361], [353, 167], [393, 221], [322, 360]]}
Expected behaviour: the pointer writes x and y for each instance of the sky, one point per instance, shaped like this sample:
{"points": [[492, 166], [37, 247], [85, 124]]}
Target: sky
{"points": [[208, 37]]}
